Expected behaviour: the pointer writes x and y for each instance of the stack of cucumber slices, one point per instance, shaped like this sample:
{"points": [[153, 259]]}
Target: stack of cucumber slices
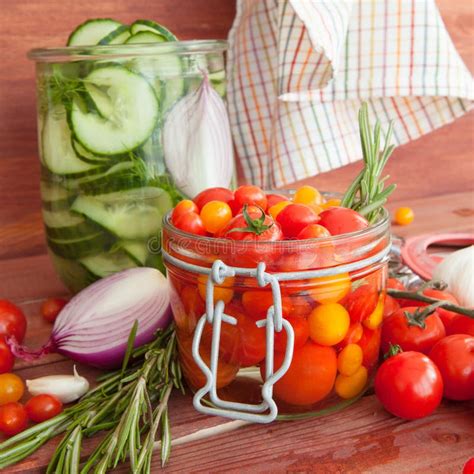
{"points": [[105, 187]]}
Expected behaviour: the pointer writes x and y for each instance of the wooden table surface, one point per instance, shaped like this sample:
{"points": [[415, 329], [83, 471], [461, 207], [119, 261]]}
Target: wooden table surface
{"points": [[435, 177], [361, 438]]}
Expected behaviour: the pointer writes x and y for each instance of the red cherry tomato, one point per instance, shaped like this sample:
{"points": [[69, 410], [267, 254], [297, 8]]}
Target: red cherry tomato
{"points": [[409, 385], [213, 194], [454, 356], [340, 220], [43, 407], [51, 308], [390, 306], [273, 199], [300, 328], [461, 325], [264, 228], [370, 344], [313, 231], [183, 207], [12, 320], [361, 302], [252, 342], [192, 223], [251, 195], [13, 418], [256, 303], [469, 467], [398, 329], [311, 375], [294, 218], [6, 357]]}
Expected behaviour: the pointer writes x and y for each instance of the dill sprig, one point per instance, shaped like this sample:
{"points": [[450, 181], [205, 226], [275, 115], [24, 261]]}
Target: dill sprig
{"points": [[367, 193]]}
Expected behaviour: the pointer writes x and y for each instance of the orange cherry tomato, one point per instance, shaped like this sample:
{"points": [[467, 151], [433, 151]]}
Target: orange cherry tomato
{"points": [[252, 342], [223, 292], [329, 289], [308, 195], [300, 329], [215, 215], [13, 418], [11, 388], [404, 216], [328, 324], [310, 377], [51, 308], [183, 207], [350, 359], [349, 386], [331, 203], [257, 302], [43, 407]]}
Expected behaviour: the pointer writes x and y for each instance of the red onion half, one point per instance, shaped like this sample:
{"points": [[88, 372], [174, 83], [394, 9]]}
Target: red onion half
{"points": [[93, 328]]}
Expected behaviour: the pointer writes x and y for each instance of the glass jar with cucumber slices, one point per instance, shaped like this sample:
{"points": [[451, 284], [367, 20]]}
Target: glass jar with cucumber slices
{"points": [[130, 120]]}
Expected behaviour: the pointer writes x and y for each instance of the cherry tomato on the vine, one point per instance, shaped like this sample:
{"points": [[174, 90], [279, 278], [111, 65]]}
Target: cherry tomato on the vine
{"points": [[461, 325], [409, 333], [215, 215], [11, 388], [12, 320], [13, 418], [43, 407], [310, 377], [409, 385], [341, 220], [252, 195], [294, 218], [183, 207], [454, 356], [213, 194], [51, 308], [192, 223], [7, 361], [313, 231]]}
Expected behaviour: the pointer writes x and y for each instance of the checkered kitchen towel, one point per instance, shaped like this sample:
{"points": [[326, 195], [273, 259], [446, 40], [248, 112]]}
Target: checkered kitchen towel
{"points": [[299, 69]]}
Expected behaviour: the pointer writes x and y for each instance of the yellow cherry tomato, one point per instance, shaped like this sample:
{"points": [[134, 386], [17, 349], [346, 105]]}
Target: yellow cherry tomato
{"points": [[330, 289], [350, 359], [328, 324], [404, 215], [11, 388], [223, 292], [308, 195], [215, 215], [277, 208], [349, 386], [331, 203], [374, 320]]}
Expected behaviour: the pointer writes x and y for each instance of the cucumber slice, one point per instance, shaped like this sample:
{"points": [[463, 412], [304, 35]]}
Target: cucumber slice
{"points": [[137, 251], [92, 31], [128, 119], [79, 247], [106, 264], [87, 156], [148, 25], [119, 177], [118, 36], [58, 154], [66, 225], [145, 37], [72, 273], [130, 215], [54, 197]]}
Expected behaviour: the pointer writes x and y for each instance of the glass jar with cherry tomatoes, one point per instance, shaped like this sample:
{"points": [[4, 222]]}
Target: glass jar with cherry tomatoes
{"points": [[332, 293]]}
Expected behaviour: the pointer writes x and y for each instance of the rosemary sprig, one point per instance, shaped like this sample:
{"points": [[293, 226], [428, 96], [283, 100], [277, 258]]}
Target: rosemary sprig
{"points": [[367, 193], [122, 405]]}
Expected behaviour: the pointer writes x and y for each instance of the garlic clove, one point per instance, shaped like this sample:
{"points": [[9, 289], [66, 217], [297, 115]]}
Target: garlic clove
{"points": [[67, 388]]}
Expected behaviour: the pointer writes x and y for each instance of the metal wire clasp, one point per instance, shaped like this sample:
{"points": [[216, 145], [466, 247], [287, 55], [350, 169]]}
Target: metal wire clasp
{"points": [[266, 411]]}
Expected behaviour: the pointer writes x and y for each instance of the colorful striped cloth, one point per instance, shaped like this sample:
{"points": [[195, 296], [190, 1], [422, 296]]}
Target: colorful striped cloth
{"points": [[299, 69]]}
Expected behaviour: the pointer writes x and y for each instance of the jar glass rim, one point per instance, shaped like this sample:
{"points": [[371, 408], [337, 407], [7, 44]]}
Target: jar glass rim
{"points": [[88, 53], [381, 225]]}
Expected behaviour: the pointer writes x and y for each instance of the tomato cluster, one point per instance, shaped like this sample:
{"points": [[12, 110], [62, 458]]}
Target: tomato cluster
{"points": [[248, 213]]}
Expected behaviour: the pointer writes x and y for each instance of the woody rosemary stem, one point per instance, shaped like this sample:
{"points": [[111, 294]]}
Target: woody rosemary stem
{"points": [[410, 295]]}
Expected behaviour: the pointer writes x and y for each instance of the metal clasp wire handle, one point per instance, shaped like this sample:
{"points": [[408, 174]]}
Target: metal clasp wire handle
{"points": [[216, 315]]}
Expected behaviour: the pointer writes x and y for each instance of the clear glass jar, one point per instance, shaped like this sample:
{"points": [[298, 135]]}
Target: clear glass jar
{"points": [[336, 319], [105, 183]]}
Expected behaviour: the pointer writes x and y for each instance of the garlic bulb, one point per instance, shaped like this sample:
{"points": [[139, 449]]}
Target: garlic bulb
{"points": [[67, 388], [457, 270], [197, 141]]}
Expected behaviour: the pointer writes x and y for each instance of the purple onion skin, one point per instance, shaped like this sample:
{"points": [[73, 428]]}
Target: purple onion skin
{"points": [[113, 358]]}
